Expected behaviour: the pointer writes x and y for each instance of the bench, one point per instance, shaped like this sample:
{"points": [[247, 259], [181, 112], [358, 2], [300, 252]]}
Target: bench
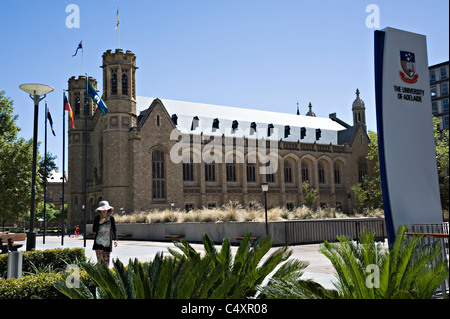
{"points": [[174, 236], [9, 240], [252, 239]]}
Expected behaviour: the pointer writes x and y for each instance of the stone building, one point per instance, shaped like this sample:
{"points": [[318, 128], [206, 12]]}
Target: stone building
{"points": [[148, 153]]}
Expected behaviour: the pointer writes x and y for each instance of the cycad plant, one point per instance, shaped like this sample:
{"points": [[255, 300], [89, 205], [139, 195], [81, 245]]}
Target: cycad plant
{"points": [[369, 271], [187, 274]]}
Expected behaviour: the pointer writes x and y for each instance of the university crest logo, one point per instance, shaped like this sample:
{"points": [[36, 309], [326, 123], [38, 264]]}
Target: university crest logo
{"points": [[408, 62]]}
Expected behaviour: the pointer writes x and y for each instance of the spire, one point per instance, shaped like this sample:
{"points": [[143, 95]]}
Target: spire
{"points": [[298, 111], [310, 112], [358, 109]]}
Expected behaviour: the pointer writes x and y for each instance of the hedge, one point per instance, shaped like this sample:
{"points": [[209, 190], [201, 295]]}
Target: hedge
{"points": [[39, 286], [58, 258]]}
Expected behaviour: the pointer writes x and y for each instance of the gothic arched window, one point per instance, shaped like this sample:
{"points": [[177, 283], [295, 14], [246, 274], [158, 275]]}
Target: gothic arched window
{"points": [[77, 106], [113, 83], [158, 175], [124, 84]]}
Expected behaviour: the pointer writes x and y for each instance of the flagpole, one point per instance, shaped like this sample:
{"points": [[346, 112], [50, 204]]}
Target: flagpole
{"points": [[63, 166], [86, 101], [45, 171]]}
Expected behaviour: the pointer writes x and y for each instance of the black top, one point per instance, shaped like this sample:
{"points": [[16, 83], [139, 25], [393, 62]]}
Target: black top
{"points": [[113, 232]]}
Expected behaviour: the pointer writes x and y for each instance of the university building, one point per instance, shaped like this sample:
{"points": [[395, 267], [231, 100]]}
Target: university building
{"points": [[150, 153]]}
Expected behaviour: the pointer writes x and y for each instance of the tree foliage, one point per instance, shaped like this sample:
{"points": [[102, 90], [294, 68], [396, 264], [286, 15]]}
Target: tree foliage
{"points": [[16, 161]]}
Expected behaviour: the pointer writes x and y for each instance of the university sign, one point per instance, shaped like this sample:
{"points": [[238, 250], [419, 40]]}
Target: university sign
{"points": [[407, 156]]}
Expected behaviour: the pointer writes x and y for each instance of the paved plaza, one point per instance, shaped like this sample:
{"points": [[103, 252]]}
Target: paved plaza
{"points": [[319, 269]]}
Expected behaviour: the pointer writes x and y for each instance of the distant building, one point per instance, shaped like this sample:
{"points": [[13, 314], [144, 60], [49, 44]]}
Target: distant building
{"points": [[134, 160], [54, 189], [439, 79]]}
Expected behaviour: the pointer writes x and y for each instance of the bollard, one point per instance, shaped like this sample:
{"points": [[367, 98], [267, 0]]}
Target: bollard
{"points": [[14, 264]]}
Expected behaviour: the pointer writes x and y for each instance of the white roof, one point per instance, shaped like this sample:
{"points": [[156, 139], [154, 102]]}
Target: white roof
{"points": [[54, 177], [206, 113]]}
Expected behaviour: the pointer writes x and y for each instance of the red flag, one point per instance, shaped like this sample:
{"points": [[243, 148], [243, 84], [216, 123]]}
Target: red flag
{"points": [[68, 108]]}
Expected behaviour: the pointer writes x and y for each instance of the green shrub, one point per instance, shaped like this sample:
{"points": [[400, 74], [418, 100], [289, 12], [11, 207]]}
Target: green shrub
{"points": [[39, 286], [58, 258]]}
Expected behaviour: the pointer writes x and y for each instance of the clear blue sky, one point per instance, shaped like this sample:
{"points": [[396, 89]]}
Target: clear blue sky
{"points": [[262, 54]]}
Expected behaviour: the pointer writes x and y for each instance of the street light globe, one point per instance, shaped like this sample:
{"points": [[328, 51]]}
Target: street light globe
{"points": [[265, 187], [36, 89]]}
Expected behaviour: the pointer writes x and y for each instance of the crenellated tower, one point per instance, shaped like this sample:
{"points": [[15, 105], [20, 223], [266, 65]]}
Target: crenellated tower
{"points": [[76, 98], [119, 94]]}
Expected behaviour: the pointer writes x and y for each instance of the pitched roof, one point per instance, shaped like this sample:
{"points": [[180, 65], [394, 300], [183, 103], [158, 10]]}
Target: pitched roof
{"points": [[243, 118]]}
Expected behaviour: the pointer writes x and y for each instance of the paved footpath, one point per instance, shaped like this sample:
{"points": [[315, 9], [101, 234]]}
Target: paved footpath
{"points": [[319, 269]]}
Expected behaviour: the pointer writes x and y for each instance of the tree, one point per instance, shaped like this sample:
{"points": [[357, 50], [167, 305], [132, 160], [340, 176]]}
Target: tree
{"points": [[442, 157], [16, 158], [310, 195]]}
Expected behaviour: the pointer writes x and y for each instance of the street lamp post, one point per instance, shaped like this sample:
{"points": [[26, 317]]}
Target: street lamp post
{"points": [[265, 188], [37, 92]]}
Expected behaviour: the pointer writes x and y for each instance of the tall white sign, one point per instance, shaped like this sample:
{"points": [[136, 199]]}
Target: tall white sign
{"points": [[406, 145]]}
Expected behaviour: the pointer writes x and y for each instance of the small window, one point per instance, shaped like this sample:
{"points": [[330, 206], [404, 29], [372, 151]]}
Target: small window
{"points": [[251, 176], [234, 125], [444, 89], [158, 175], [253, 127], [124, 84], [318, 134], [287, 173], [337, 175], [270, 176], [189, 206], [174, 119], [433, 91], [77, 106], [188, 172], [287, 131], [113, 84], [231, 172], [445, 105], [432, 75], [157, 120], [195, 123], [442, 72], [434, 107], [302, 132], [210, 172], [290, 206], [321, 174], [215, 123], [269, 129], [211, 205], [305, 174]]}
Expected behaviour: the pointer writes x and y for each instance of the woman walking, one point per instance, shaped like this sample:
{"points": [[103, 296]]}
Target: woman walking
{"points": [[105, 232]]}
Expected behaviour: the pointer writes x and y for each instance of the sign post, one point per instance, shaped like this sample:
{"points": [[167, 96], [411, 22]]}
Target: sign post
{"points": [[406, 146]]}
